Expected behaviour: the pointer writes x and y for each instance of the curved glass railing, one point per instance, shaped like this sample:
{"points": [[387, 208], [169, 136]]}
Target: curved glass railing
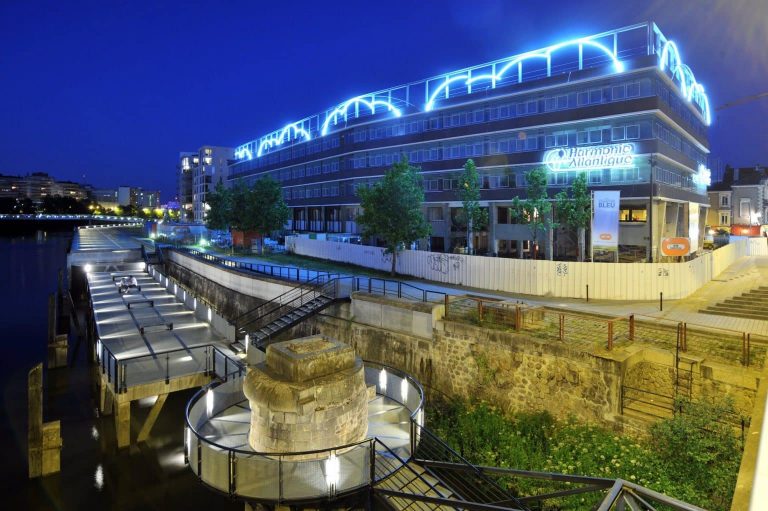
{"points": [[290, 477]]}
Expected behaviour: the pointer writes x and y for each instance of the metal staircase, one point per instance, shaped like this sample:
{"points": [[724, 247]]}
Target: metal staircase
{"points": [[285, 311]]}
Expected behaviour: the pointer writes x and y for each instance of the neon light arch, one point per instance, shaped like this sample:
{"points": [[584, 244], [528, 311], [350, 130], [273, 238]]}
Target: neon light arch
{"points": [[545, 53], [689, 87], [343, 109], [279, 139], [243, 152]]}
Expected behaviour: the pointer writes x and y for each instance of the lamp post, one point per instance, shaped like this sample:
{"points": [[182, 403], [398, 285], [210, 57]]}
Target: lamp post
{"points": [[652, 161]]}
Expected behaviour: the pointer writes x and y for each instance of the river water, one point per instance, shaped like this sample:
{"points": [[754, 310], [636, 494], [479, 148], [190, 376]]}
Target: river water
{"points": [[95, 475]]}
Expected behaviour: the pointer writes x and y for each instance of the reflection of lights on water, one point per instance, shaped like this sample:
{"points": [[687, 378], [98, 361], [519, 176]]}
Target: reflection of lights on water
{"points": [[98, 477], [172, 460], [94, 433]]}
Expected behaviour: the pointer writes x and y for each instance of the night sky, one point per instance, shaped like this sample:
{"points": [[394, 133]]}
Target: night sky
{"points": [[109, 92]]}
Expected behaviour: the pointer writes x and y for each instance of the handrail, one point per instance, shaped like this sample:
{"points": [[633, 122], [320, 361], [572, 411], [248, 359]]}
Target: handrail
{"points": [[285, 272], [360, 457], [200, 393]]}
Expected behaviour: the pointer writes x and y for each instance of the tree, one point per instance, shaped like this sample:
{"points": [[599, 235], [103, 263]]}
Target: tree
{"points": [[474, 216], [535, 209], [575, 210], [260, 208], [220, 214], [392, 209]]}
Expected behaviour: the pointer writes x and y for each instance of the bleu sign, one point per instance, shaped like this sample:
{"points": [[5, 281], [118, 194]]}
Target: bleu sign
{"points": [[609, 156], [605, 223]]}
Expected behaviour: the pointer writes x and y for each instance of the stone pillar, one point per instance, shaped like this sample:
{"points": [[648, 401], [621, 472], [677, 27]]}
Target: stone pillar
{"points": [[309, 395], [122, 422], [44, 439]]}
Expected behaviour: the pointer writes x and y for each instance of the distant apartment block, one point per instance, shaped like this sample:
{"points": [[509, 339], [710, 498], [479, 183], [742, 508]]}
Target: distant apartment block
{"points": [[39, 185]]}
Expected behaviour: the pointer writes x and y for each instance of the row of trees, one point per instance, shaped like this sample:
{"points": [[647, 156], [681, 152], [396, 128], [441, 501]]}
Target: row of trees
{"points": [[392, 207]]}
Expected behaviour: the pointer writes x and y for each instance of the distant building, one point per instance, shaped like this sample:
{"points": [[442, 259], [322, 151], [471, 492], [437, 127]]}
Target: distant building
{"points": [[739, 203], [148, 199], [198, 174], [39, 185], [187, 161], [105, 197]]}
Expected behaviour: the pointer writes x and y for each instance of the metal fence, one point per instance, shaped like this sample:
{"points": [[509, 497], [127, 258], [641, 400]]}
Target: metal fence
{"points": [[598, 331]]}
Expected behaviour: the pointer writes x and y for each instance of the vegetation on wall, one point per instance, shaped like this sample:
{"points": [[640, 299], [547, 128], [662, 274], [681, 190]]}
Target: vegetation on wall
{"points": [[693, 456]]}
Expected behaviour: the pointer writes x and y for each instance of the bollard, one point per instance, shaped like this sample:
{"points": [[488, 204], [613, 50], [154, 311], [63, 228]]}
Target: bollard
{"points": [[631, 327], [661, 301], [562, 326], [518, 318], [480, 311], [610, 335], [446, 307], [587, 293]]}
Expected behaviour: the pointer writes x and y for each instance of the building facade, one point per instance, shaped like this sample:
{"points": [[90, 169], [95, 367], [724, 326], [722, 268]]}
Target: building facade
{"points": [[39, 185], [187, 161], [739, 203], [620, 106], [198, 175]]}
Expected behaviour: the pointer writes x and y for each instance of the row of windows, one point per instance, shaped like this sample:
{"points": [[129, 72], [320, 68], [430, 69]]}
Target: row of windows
{"points": [[512, 143]]}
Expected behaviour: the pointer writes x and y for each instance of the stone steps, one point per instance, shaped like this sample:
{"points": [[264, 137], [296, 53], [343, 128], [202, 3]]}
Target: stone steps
{"points": [[415, 481], [750, 305]]}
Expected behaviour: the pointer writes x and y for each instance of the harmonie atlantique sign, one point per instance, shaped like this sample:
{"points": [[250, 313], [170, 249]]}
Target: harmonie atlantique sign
{"points": [[592, 157]]}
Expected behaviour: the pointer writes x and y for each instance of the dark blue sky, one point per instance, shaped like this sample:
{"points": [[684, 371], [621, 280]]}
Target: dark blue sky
{"points": [[114, 90]]}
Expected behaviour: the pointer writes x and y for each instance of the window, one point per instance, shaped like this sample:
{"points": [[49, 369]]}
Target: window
{"points": [[724, 200], [633, 214], [595, 136], [744, 208], [618, 133], [502, 215], [724, 220], [595, 177], [633, 90], [434, 214], [633, 131]]}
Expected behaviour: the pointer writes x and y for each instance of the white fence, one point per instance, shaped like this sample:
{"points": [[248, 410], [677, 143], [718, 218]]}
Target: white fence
{"points": [[612, 281]]}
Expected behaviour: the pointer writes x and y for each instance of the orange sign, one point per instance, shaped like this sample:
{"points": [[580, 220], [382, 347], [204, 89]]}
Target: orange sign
{"points": [[675, 246], [605, 236]]}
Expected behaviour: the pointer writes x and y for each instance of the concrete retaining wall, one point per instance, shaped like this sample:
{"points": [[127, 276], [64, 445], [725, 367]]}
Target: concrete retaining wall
{"points": [[611, 281]]}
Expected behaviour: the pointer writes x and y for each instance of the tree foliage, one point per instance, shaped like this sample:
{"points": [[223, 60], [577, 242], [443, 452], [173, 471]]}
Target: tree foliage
{"points": [[475, 217], [220, 214], [575, 209], [535, 210], [392, 209], [259, 208]]}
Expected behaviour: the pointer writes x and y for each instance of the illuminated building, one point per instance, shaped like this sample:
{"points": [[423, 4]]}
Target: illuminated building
{"points": [[198, 174], [739, 203], [39, 185], [622, 106]]}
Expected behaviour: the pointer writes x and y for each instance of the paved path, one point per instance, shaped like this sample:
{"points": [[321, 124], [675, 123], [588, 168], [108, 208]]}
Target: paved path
{"points": [[744, 274]]}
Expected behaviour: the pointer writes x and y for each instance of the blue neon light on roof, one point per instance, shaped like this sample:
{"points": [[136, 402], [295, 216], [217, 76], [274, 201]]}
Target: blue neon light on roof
{"points": [[545, 53], [343, 110], [689, 87], [392, 101]]}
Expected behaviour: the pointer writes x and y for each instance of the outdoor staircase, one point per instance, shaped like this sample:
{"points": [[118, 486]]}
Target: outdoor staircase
{"points": [[750, 305], [285, 311]]}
